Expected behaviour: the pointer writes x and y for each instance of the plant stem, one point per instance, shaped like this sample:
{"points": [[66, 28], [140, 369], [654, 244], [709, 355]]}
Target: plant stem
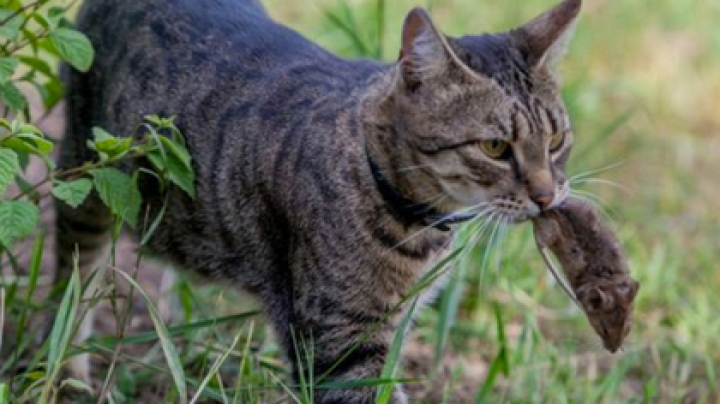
{"points": [[77, 172]]}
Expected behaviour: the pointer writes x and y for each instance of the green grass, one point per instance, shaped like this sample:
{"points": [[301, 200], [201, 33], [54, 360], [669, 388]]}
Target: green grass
{"points": [[642, 88]]}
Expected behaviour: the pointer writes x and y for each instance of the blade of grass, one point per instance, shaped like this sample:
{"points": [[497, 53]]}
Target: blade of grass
{"points": [[449, 304], [209, 392], [392, 361], [4, 394], [2, 315], [611, 383], [305, 386], [171, 354], [62, 331], [380, 17], [349, 29], [35, 263], [214, 369], [500, 364], [604, 134], [712, 375], [149, 336], [244, 362], [62, 327], [285, 387]]}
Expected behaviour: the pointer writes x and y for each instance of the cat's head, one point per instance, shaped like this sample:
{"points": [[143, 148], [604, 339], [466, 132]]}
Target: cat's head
{"points": [[479, 119]]}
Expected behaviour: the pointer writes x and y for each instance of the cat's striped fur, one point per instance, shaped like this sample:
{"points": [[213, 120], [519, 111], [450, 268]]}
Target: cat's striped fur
{"points": [[291, 145]]}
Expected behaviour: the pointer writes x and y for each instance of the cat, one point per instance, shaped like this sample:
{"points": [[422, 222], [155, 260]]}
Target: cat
{"points": [[321, 183]]}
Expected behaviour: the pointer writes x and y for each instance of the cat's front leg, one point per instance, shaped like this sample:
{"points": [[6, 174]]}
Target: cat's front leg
{"points": [[352, 366], [338, 342]]}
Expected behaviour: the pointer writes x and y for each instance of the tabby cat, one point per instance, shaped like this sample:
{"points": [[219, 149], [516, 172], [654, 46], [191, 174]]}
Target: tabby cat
{"points": [[316, 174]]}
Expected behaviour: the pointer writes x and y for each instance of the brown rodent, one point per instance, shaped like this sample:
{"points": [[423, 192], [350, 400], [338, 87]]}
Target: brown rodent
{"points": [[595, 266]]}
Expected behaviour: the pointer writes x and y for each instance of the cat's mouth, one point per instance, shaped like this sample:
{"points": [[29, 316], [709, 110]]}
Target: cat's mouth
{"points": [[443, 222]]}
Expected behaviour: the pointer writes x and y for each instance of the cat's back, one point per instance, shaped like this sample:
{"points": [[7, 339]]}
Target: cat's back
{"points": [[223, 67], [241, 27], [263, 110]]}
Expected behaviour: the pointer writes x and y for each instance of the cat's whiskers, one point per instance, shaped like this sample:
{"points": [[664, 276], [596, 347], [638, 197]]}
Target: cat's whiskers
{"points": [[596, 202], [600, 181], [477, 227], [434, 201], [484, 222], [591, 172], [492, 241], [481, 220], [437, 222], [476, 235], [504, 226], [576, 194]]}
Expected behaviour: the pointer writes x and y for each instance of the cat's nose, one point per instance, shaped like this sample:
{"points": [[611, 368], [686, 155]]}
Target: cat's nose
{"points": [[543, 200], [541, 187]]}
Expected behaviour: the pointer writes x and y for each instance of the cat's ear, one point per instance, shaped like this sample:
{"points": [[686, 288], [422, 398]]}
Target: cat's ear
{"points": [[545, 38], [425, 54]]}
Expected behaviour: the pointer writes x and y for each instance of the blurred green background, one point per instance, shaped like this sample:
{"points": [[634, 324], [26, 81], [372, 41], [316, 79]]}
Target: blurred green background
{"points": [[642, 85]]}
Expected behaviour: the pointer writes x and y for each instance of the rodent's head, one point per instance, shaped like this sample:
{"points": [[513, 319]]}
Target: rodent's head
{"points": [[608, 304]]}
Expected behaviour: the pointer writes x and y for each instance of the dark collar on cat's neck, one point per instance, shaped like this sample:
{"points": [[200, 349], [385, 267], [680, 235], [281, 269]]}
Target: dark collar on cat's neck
{"points": [[407, 211]]}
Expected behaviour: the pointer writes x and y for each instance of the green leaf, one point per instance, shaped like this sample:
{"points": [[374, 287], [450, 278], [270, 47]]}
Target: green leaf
{"points": [[7, 68], [174, 171], [100, 134], [74, 47], [30, 129], [28, 143], [108, 145], [12, 97], [18, 219], [119, 192], [37, 64], [11, 23], [178, 150], [50, 92], [42, 21], [31, 39], [9, 166], [180, 175], [55, 15], [41, 145], [115, 148], [74, 192]]}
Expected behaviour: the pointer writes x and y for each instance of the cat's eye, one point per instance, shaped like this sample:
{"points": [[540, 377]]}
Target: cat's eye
{"points": [[556, 141], [494, 148]]}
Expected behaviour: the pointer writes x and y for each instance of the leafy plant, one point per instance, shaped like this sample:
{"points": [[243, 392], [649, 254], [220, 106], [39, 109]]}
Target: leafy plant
{"points": [[34, 35]]}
